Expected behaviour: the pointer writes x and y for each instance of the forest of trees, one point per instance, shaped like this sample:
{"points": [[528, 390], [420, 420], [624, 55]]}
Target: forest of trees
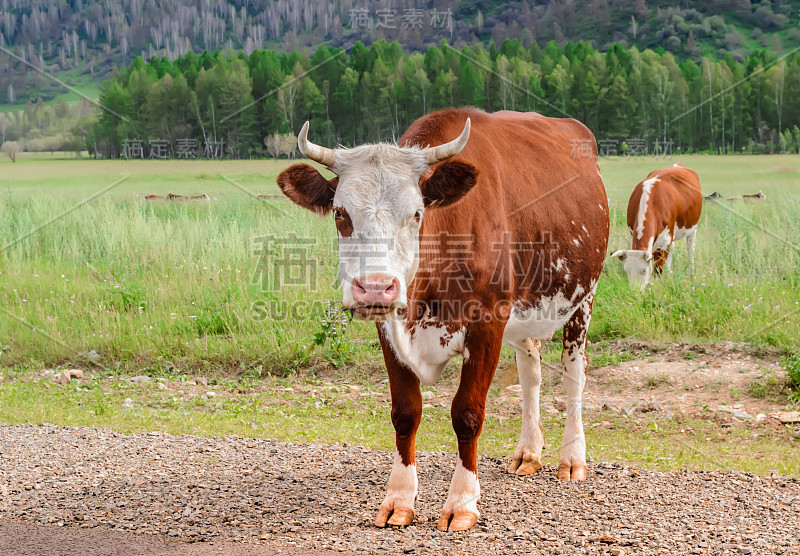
{"points": [[83, 40], [237, 101]]}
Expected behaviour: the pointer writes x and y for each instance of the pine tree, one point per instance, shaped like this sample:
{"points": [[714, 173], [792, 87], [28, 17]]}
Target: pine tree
{"points": [[470, 86]]}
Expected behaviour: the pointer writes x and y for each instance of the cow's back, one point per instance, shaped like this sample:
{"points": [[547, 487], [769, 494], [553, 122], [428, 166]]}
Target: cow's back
{"points": [[674, 199], [539, 200]]}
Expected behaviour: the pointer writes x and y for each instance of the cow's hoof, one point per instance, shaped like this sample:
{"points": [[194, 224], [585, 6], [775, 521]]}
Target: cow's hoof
{"points": [[528, 464], [458, 521], [394, 516], [575, 471]]}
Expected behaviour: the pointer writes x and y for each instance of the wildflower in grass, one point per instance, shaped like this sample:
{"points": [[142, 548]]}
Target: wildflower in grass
{"points": [[333, 324]]}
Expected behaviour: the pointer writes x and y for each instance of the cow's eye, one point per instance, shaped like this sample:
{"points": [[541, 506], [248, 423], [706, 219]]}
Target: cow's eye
{"points": [[417, 216], [337, 213]]}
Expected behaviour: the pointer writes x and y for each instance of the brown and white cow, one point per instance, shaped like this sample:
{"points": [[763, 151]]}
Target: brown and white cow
{"points": [[494, 234], [662, 209]]}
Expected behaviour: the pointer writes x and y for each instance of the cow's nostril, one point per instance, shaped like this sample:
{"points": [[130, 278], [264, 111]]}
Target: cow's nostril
{"points": [[392, 287], [358, 287]]}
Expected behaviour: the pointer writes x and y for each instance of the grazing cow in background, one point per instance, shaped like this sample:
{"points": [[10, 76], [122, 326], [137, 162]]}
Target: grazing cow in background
{"points": [[493, 234], [663, 209]]}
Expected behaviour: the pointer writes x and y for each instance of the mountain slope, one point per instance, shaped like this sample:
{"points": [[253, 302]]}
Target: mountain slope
{"points": [[81, 41]]}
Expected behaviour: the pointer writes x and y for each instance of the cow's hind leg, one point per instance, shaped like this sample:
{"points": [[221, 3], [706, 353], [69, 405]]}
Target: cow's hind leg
{"points": [[690, 249], [482, 352], [398, 505], [527, 457], [572, 465]]}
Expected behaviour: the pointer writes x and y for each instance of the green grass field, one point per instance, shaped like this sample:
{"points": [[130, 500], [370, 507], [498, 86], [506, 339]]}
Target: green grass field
{"points": [[174, 290], [180, 284]]}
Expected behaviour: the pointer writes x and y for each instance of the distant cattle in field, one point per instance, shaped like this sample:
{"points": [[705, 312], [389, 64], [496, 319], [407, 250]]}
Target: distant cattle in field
{"points": [[174, 197], [474, 230], [752, 197], [662, 209], [201, 197]]}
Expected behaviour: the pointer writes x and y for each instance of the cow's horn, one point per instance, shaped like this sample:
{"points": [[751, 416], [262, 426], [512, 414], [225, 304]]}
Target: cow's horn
{"points": [[443, 152], [323, 155]]}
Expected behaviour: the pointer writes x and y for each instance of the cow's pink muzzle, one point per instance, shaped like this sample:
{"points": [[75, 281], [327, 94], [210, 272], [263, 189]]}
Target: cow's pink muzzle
{"points": [[375, 292]]}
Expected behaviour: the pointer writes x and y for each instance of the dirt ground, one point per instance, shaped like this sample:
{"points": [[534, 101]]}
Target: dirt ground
{"points": [[26, 539], [681, 378], [101, 487], [690, 380], [77, 490]]}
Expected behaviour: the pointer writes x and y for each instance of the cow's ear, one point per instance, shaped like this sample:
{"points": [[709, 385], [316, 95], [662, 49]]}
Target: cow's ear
{"points": [[306, 187], [449, 182]]}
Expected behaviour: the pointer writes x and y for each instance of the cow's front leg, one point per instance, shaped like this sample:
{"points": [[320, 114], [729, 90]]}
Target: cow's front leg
{"points": [[527, 457], [460, 511], [668, 264], [398, 505], [572, 465]]}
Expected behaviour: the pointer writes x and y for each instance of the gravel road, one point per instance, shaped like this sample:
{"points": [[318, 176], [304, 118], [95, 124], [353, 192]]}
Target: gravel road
{"points": [[242, 490], [26, 539]]}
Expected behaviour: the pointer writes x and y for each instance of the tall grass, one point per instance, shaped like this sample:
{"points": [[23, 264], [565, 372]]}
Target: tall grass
{"points": [[180, 285], [134, 281]]}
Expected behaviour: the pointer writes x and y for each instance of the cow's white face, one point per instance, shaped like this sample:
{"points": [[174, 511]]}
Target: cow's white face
{"points": [[638, 266], [378, 210], [378, 200]]}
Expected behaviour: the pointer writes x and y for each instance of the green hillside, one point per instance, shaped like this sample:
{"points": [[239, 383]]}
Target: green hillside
{"points": [[81, 42]]}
